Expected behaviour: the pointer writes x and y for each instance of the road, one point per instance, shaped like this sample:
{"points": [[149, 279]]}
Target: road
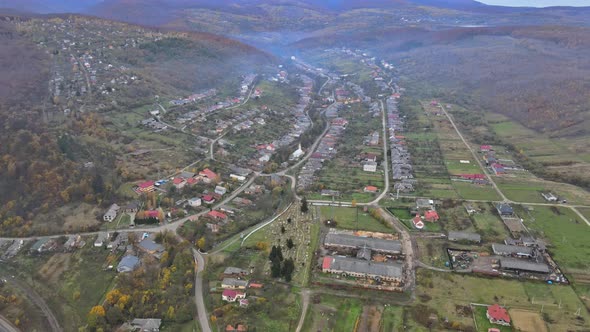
{"points": [[202, 316], [305, 293], [266, 223], [407, 247], [6, 325], [37, 300], [385, 163], [211, 147], [475, 156]]}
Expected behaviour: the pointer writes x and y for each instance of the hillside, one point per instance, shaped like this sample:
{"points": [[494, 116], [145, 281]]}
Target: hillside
{"points": [[61, 76]]}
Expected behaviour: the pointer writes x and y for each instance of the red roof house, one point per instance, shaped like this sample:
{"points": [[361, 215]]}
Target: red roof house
{"points": [[217, 215], [208, 199], [371, 189], [146, 187], [417, 221], [498, 315], [472, 176], [431, 216], [485, 148], [209, 174], [179, 182], [326, 263], [231, 295]]}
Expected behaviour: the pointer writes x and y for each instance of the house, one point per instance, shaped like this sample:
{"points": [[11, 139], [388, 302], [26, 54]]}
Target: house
{"points": [[102, 237], [150, 246], [194, 202], [40, 245], [233, 283], [371, 189], [230, 295], [132, 207], [208, 199], [179, 183], [192, 181], [220, 190], [209, 174], [255, 285], [128, 264], [237, 177], [431, 216], [424, 204], [235, 271], [498, 315], [214, 228], [237, 328], [510, 250], [493, 329], [187, 175], [504, 209], [146, 187], [217, 215], [417, 221], [370, 166], [360, 268], [111, 213], [498, 169], [549, 197], [146, 324], [485, 148]]}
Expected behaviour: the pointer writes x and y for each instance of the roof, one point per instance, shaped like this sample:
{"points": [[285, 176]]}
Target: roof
{"points": [[235, 270], [505, 208], [147, 324], [364, 253], [234, 282], [128, 262], [146, 184], [207, 198], [217, 214], [503, 249], [371, 188], [458, 236], [497, 312], [178, 180], [348, 240], [208, 173], [231, 293], [431, 215], [347, 264], [150, 245], [524, 265]]}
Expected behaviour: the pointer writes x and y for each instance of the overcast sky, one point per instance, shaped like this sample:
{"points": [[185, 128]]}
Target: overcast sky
{"points": [[537, 3]]}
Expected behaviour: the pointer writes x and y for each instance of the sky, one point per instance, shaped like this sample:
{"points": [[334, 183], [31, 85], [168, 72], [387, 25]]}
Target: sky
{"points": [[537, 3]]}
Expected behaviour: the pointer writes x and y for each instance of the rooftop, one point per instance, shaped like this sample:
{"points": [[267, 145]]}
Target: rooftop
{"points": [[524, 265], [347, 264]]}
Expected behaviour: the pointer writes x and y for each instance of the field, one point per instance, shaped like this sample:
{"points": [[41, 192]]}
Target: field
{"points": [[567, 236], [489, 225], [346, 219], [392, 319], [333, 313], [473, 191], [529, 189], [446, 294], [527, 321]]}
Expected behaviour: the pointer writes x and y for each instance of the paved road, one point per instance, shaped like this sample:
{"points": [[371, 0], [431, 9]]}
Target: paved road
{"points": [[6, 325], [37, 300], [212, 146], [407, 247], [202, 316]]}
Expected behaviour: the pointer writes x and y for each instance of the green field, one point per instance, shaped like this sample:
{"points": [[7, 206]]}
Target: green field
{"points": [[473, 191], [392, 319], [333, 313], [567, 235], [446, 292], [490, 226], [346, 219]]}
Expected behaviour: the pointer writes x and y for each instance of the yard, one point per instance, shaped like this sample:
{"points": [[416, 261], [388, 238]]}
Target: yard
{"points": [[447, 294], [483, 323], [489, 225], [346, 218], [332, 313]]}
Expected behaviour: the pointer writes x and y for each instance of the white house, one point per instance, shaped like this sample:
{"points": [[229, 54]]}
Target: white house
{"points": [[111, 213], [219, 190], [237, 177], [194, 202], [370, 166]]}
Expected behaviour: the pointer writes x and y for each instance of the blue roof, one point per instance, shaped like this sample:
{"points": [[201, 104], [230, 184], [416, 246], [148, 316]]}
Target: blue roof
{"points": [[129, 262]]}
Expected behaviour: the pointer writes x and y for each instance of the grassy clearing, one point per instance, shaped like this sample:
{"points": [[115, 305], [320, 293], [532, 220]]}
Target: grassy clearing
{"points": [[566, 233], [346, 219], [473, 191], [489, 225], [333, 313], [392, 319], [445, 292]]}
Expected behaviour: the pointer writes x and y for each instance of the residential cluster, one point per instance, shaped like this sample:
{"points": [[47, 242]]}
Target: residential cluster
{"points": [[401, 165]]}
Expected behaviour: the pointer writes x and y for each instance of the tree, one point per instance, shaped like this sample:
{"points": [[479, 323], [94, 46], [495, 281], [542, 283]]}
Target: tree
{"points": [[114, 315], [288, 268], [201, 243], [283, 230], [304, 207], [290, 244]]}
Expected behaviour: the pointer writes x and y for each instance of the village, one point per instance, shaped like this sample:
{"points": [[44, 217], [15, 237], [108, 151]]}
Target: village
{"points": [[276, 199]]}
